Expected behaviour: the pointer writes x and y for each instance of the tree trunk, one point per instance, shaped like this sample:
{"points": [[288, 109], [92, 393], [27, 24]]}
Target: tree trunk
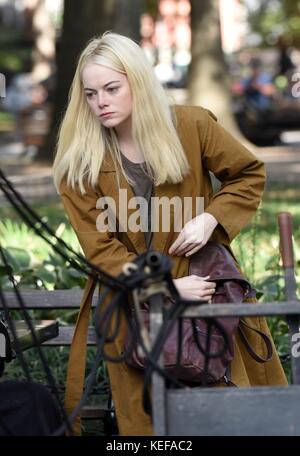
{"points": [[127, 18], [208, 83], [82, 21], [44, 52]]}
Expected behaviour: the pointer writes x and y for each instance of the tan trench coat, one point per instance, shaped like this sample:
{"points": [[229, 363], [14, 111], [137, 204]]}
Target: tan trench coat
{"points": [[208, 147]]}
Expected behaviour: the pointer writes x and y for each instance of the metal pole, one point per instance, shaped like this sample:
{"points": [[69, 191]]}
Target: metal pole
{"points": [[158, 382], [287, 255]]}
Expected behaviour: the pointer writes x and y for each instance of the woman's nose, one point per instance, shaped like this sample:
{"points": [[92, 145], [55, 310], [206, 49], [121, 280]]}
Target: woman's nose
{"points": [[102, 100]]}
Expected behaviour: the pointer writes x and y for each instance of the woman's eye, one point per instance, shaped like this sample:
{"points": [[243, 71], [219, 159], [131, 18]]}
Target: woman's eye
{"points": [[89, 95], [112, 89]]}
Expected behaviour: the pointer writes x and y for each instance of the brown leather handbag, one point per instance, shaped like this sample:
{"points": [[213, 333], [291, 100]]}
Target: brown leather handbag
{"points": [[185, 361]]}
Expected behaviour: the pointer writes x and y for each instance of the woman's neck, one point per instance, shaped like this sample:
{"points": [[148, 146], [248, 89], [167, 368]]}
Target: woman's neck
{"points": [[132, 152], [128, 147]]}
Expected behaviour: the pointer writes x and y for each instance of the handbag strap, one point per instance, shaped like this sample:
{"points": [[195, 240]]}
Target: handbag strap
{"points": [[250, 350]]}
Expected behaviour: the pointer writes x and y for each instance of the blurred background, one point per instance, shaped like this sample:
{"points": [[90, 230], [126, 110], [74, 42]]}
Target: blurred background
{"points": [[238, 58]]}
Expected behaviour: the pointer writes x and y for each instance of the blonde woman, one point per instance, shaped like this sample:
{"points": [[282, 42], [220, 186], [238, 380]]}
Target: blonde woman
{"points": [[119, 134]]}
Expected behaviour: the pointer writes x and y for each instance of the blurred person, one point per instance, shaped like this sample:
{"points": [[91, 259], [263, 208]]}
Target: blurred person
{"points": [[285, 62], [258, 88], [24, 94]]}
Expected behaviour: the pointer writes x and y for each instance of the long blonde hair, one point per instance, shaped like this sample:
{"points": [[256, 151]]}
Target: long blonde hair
{"points": [[83, 141]]}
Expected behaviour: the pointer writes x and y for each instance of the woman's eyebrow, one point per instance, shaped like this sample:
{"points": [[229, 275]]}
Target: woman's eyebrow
{"points": [[110, 82], [105, 85]]}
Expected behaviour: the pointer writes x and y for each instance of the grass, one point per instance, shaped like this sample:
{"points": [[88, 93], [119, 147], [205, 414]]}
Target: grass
{"points": [[257, 246]]}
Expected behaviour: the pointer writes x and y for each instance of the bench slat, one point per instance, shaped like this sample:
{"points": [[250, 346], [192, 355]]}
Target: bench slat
{"points": [[66, 334], [261, 411], [244, 309], [44, 330], [70, 299], [92, 412], [45, 299]]}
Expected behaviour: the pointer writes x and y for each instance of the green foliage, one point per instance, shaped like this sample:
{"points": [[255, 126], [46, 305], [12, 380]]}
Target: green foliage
{"points": [[5, 117], [13, 56], [37, 266], [57, 359], [272, 19]]}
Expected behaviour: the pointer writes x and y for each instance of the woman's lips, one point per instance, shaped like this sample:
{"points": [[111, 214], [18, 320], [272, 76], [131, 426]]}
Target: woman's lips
{"points": [[106, 114]]}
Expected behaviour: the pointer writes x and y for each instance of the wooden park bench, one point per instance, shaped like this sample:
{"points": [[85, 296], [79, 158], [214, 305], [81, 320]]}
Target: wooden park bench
{"points": [[49, 332]]}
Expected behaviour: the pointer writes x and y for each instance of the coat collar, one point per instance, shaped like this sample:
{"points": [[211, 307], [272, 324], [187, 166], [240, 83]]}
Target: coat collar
{"points": [[109, 187]]}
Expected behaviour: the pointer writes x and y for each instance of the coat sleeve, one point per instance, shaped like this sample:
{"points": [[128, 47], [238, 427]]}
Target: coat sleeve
{"points": [[100, 248], [241, 173]]}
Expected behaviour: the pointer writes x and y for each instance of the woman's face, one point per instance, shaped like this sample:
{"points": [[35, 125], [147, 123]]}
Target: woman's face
{"points": [[109, 95]]}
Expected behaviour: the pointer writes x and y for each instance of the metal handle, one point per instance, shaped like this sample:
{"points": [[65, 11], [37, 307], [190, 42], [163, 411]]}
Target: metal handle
{"points": [[285, 222]]}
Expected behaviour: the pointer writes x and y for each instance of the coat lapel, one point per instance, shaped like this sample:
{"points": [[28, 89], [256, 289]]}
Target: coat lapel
{"points": [[109, 187]]}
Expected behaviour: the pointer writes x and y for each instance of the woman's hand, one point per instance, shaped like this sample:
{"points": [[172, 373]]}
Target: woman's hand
{"points": [[194, 235], [195, 287]]}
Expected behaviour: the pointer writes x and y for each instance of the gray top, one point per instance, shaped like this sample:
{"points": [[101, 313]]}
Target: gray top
{"points": [[143, 186]]}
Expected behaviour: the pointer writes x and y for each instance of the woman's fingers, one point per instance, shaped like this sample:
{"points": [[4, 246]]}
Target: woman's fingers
{"points": [[187, 248], [206, 297], [184, 248], [208, 292], [184, 243], [203, 284], [194, 249], [195, 233], [195, 287], [176, 244], [202, 289]]}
